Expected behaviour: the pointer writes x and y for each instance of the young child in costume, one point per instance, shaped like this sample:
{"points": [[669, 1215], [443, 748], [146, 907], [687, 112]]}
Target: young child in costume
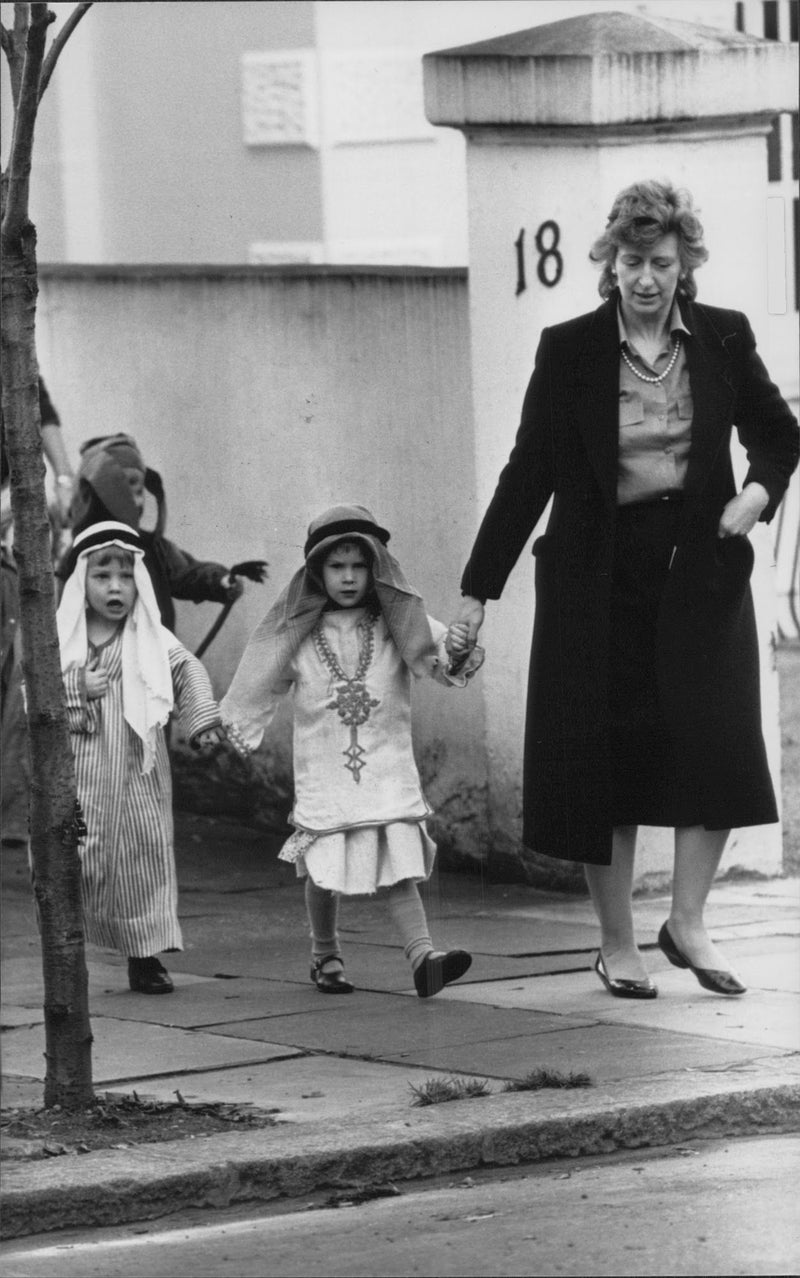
{"points": [[345, 638], [123, 674]]}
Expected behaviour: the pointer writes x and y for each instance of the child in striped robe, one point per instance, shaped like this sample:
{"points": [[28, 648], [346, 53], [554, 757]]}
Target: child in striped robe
{"points": [[123, 675]]}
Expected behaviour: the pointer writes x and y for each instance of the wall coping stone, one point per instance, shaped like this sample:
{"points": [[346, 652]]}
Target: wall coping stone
{"points": [[609, 68], [239, 270]]}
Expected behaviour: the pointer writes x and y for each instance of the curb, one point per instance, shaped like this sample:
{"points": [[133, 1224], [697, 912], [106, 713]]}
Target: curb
{"points": [[149, 1181]]}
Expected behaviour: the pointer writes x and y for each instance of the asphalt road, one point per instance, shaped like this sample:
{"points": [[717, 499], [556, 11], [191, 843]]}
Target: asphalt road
{"points": [[720, 1207]]}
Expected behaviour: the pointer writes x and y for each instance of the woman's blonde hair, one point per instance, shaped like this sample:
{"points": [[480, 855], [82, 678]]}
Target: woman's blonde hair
{"points": [[641, 214]]}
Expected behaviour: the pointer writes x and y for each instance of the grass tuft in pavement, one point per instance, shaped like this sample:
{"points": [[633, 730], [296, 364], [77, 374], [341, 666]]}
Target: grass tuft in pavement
{"points": [[435, 1091], [539, 1078]]}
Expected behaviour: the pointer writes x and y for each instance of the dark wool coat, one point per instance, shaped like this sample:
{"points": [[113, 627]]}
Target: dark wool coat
{"points": [[707, 656]]}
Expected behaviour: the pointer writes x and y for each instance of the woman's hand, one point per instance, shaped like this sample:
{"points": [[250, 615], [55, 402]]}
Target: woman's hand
{"points": [[96, 683], [211, 737], [742, 511], [471, 613]]}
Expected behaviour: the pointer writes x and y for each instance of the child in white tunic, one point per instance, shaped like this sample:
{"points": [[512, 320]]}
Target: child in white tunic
{"points": [[123, 673], [345, 638]]}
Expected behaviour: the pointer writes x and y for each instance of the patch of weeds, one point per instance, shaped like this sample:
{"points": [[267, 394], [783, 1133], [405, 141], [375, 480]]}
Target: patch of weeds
{"points": [[541, 1078], [435, 1091], [117, 1121]]}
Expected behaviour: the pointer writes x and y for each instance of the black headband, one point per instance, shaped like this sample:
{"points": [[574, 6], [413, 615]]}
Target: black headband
{"points": [[341, 528], [103, 536]]}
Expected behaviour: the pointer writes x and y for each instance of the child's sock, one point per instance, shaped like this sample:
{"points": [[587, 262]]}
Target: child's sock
{"points": [[408, 916], [322, 907]]}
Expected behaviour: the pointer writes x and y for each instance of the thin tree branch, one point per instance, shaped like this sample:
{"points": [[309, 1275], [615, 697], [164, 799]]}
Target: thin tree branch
{"points": [[19, 160], [13, 46], [58, 44], [22, 20]]}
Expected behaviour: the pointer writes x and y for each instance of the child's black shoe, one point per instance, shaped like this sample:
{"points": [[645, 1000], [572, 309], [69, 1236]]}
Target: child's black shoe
{"points": [[333, 982], [148, 976], [437, 970]]}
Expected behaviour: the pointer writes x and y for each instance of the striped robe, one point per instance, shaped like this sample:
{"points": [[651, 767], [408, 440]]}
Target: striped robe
{"points": [[128, 879]]}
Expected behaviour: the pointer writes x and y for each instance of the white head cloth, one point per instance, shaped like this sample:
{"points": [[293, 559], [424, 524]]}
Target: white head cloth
{"points": [[147, 691]]}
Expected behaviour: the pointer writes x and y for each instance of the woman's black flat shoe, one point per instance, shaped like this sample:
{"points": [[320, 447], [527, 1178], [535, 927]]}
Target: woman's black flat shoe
{"points": [[622, 988], [334, 982], [437, 970], [709, 978]]}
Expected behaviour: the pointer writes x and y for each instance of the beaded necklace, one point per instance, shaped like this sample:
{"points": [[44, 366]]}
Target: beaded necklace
{"points": [[352, 703], [644, 376]]}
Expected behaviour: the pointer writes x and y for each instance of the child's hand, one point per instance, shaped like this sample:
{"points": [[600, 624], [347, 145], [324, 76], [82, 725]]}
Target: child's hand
{"points": [[457, 641], [211, 737], [96, 683]]}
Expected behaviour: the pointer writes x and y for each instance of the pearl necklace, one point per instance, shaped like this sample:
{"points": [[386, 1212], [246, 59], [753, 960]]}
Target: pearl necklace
{"points": [[352, 703], [644, 376]]}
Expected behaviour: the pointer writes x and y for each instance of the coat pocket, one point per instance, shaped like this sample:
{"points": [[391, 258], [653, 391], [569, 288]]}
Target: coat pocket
{"points": [[731, 566]]}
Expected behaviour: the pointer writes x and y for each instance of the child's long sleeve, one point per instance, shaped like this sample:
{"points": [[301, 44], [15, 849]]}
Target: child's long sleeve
{"points": [[246, 729], [194, 699], [83, 715]]}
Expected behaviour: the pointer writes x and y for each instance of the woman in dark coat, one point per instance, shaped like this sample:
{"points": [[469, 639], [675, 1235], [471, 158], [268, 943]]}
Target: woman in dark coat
{"points": [[643, 694]]}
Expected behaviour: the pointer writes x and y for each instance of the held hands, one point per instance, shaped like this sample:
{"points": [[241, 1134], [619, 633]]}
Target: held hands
{"points": [[742, 512], [463, 632], [211, 737]]}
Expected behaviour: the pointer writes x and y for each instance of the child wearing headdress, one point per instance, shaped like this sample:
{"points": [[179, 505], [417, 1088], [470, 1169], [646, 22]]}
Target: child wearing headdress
{"points": [[123, 675], [344, 639]]}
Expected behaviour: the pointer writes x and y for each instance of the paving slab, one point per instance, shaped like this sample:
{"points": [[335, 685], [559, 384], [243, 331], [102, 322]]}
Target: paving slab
{"points": [[22, 1093], [514, 937], [768, 1014], [206, 1002], [607, 1052], [23, 984], [381, 1024], [11, 1017], [121, 1050], [306, 1089], [772, 1019], [727, 904], [371, 968]]}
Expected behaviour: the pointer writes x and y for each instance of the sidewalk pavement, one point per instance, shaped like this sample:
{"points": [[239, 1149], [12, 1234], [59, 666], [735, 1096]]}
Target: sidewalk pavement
{"points": [[245, 1025]]}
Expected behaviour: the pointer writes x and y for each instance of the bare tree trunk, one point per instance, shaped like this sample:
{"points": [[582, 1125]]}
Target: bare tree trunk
{"points": [[54, 824]]}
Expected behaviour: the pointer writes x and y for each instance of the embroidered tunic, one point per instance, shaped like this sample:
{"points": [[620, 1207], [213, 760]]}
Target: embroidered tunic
{"points": [[128, 881], [359, 807]]}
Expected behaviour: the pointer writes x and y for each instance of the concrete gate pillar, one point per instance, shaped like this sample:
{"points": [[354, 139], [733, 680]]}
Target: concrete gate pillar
{"points": [[557, 119]]}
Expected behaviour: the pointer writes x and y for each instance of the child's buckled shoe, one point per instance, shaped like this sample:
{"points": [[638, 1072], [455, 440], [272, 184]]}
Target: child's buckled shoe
{"points": [[334, 982]]}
